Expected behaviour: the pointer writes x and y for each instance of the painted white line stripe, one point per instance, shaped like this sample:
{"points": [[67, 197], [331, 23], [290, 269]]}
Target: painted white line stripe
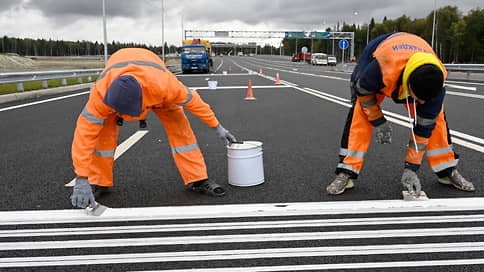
{"points": [[123, 147], [461, 87], [128, 143], [464, 82], [242, 238], [319, 267], [283, 224], [465, 94], [329, 95], [242, 211], [405, 123], [43, 101], [185, 256], [241, 87], [212, 75]]}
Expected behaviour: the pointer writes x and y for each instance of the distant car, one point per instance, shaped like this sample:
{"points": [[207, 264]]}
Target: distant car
{"points": [[319, 59], [332, 60]]}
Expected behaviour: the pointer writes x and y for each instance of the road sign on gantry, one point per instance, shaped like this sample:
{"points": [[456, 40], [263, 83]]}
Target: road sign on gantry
{"points": [[294, 35], [320, 35], [343, 44]]}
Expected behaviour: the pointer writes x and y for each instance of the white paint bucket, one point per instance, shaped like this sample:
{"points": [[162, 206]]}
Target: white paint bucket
{"points": [[212, 85], [245, 165]]}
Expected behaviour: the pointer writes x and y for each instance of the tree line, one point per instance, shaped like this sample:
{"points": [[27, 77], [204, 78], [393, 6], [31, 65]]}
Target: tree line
{"points": [[43, 47], [458, 38]]}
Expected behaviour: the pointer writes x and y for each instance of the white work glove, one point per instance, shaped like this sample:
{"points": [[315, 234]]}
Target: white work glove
{"points": [[383, 133], [82, 194], [411, 182], [225, 135]]}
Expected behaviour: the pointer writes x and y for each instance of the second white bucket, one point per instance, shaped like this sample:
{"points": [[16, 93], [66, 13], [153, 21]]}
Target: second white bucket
{"points": [[212, 85], [245, 164]]}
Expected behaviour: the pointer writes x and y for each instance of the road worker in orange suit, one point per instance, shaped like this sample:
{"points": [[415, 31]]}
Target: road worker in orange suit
{"points": [[404, 67], [134, 82]]}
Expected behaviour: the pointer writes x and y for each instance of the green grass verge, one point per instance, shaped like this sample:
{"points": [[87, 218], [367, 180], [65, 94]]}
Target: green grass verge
{"points": [[37, 85]]}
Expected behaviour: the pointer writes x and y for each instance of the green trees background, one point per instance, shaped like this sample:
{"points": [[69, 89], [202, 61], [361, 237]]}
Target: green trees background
{"points": [[458, 38]]}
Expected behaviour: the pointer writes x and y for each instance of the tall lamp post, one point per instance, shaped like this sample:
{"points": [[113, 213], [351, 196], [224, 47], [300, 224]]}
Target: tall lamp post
{"points": [[163, 30], [105, 34], [433, 25]]}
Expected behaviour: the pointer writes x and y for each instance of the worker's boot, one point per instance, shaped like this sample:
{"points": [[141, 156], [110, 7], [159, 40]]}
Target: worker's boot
{"points": [[458, 181], [99, 191], [340, 184], [207, 187]]}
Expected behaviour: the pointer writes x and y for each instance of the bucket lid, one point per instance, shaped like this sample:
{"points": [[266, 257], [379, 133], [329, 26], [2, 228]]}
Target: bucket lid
{"points": [[245, 145]]}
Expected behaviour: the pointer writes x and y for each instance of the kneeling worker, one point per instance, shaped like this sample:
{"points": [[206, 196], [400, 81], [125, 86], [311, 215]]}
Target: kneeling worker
{"points": [[134, 82], [404, 67]]}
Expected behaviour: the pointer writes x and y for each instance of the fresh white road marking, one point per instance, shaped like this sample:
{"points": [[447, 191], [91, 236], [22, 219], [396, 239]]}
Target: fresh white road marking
{"points": [[43, 101]]}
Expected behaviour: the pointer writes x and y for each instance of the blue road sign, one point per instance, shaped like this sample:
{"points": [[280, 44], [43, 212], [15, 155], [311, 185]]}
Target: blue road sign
{"points": [[343, 44]]}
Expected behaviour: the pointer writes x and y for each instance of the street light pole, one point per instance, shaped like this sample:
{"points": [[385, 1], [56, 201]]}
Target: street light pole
{"points": [[105, 34], [433, 25], [163, 30]]}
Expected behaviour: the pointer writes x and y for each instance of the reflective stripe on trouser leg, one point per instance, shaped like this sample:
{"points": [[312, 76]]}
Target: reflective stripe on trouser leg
{"points": [[356, 139], [103, 155], [188, 157], [439, 149]]}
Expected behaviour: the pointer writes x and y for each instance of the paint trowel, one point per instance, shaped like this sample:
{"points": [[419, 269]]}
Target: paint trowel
{"points": [[97, 210], [413, 197]]}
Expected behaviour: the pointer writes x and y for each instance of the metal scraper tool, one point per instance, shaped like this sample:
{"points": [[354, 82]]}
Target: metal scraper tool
{"points": [[97, 211], [411, 197]]}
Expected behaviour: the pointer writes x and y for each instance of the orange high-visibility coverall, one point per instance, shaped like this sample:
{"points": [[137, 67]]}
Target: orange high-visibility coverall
{"points": [[95, 137], [379, 74]]}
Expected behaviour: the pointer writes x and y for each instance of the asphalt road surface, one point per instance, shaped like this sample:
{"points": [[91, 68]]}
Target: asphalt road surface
{"points": [[288, 223]]}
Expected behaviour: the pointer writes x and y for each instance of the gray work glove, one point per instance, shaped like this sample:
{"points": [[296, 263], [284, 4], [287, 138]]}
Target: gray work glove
{"points": [[383, 133], [82, 194], [225, 135], [411, 182]]}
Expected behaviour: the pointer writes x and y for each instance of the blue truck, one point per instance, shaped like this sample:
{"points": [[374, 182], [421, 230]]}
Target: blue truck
{"points": [[196, 56]]}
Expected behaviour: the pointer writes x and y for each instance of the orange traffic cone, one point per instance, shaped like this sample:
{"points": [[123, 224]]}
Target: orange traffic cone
{"points": [[249, 96], [260, 71], [230, 68], [277, 79], [241, 69]]}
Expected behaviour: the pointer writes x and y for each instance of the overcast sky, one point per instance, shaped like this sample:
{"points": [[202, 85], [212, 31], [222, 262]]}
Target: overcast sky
{"points": [[140, 20]]}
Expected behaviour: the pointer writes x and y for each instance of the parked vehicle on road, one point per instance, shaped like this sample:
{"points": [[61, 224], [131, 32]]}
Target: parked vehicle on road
{"points": [[332, 60], [319, 59], [301, 57], [196, 55]]}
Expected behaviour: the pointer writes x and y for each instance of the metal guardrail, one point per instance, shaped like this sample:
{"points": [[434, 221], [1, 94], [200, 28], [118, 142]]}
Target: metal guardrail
{"points": [[21, 77], [465, 67]]}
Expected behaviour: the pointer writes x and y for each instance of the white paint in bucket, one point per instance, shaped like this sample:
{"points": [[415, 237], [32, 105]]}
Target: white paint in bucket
{"points": [[212, 85], [245, 165]]}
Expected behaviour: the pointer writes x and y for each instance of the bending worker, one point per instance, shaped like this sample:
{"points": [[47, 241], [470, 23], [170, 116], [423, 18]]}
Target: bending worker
{"points": [[404, 67], [134, 82]]}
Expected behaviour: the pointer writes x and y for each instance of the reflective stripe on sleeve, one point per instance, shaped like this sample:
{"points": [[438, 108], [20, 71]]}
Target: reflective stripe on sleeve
{"points": [[184, 148], [442, 166], [362, 91], [369, 103], [135, 62], [425, 121], [189, 97], [351, 153], [91, 118], [348, 167], [104, 153], [439, 151]]}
